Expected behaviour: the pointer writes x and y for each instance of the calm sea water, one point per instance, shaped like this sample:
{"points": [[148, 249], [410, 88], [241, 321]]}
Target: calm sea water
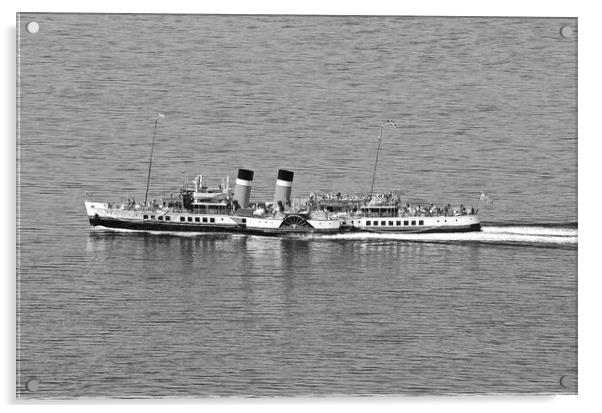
{"points": [[482, 104]]}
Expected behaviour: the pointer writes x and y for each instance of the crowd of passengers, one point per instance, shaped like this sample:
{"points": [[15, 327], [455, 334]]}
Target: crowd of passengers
{"points": [[131, 204], [376, 199], [338, 196], [433, 210], [389, 198]]}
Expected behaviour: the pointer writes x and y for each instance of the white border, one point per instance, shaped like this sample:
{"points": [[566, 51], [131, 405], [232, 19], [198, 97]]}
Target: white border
{"points": [[339, 7], [590, 136]]}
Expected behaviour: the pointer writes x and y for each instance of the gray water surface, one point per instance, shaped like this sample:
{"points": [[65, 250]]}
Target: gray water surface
{"points": [[482, 104]]}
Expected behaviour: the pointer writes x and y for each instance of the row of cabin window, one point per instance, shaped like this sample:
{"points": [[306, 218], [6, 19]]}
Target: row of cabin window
{"points": [[160, 217], [397, 223], [182, 219]]}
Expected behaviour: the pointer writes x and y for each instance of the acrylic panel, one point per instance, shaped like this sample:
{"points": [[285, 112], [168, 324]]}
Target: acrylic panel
{"points": [[388, 205]]}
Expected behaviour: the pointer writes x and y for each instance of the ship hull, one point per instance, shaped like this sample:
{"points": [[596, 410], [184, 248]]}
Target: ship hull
{"points": [[112, 223], [413, 224], [100, 215]]}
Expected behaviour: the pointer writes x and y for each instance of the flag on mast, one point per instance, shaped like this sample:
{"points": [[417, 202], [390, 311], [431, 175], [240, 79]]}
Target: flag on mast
{"points": [[391, 123], [160, 115]]}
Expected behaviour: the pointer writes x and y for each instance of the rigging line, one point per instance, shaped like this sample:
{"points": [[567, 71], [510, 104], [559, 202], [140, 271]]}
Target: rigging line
{"points": [[150, 161], [380, 136]]}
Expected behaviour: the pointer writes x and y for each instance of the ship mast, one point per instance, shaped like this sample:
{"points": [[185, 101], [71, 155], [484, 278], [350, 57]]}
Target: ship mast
{"points": [[380, 136], [150, 161]]}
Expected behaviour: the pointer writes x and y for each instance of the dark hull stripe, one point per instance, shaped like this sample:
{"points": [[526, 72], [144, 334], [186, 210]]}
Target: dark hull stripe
{"points": [[193, 227], [425, 230]]}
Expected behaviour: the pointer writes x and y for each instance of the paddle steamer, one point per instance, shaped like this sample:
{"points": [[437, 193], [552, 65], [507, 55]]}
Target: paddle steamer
{"points": [[201, 208]]}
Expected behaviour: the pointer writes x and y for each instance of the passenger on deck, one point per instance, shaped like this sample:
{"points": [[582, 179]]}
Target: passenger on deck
{"points": [[259, 211]]}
